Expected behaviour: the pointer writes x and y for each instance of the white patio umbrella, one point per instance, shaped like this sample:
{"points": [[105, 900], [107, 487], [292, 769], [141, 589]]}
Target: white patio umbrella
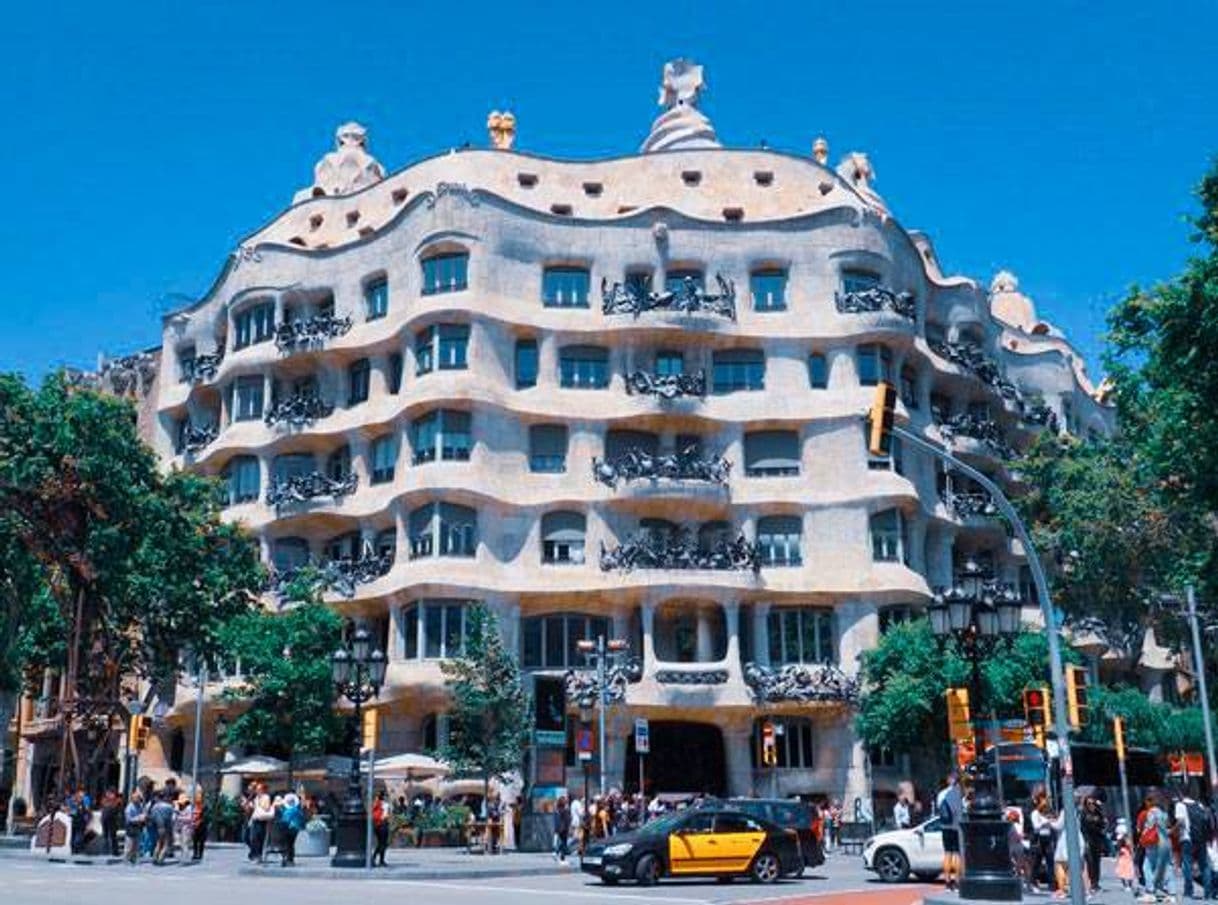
{"points": [[256, 765], [409, 767]]}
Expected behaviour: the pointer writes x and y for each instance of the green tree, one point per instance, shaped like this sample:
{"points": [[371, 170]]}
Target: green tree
{"points": [[138, 563], [1159, 727], [489, 717], [287, 691]]}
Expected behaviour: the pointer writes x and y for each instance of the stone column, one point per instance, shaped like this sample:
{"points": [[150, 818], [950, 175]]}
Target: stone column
{"points": [[397, 638], [761, 636], [547, 360], [858, 629], [648, 613], [361, 457], [736, 742], [731, 619], [705, 643], [268, 391], [401, 522], [378, 378]]}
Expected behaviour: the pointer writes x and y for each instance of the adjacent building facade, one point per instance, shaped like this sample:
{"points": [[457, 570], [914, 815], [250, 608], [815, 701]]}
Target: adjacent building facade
{"points": [[620, 397]]}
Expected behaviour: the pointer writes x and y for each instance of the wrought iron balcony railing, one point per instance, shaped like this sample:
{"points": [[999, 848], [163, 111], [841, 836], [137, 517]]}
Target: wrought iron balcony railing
{"points": [[967, 505], [201, 368], [341, 575], [310, 333], [971, 358], [977, 427], [678, 550], [688, 298], [666, 386], [583, 689], [303, 487], [800, 682], [639, 465], [196, 437], [298, 410], [877, 298]]}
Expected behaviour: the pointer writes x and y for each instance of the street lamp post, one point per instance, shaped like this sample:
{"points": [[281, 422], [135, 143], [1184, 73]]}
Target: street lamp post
{"points": [[358, 672], [599, 652], [975, 611]]}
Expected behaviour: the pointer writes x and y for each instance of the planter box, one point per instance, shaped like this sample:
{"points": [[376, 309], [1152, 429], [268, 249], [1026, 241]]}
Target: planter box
{"points": [[439, 838]]}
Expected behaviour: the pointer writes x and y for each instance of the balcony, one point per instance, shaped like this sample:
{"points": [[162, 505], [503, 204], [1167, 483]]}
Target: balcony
{"points": [[678, 550], [801, 683], [342, 576], [666, 386], [969, 357], [638, 465], [304, 487], [877, 299], [201, 368], [583, 688], [309, 333], [298, 411], [688, 298], [195, 438], [980, 428], [969, 505]]}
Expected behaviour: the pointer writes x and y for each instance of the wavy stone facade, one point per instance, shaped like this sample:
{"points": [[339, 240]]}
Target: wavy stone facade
{"points": [[457, 424]]}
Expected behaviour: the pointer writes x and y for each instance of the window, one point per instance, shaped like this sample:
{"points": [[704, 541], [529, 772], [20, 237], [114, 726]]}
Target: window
{"points": [[395, 372], [435, 629], [338, 465], [792, 745], [243, 477], [897, 615], [248, 399], [358, 376], [445, 273], [548, 448], [638, 283], [909, 388], [818, 371], [344, 546], [674, 280], [443, 434], [562, 538], [801, 635], [736, 823], [293, 465], [894, 461], [442, 346], [859, 281], [882, 757], [254, 325], [526, 363], [549, 642], [669, 363], [186, 364], [738, 369], [778, 540], [289, 553], [886, 535], [376, 298], [384, 458], [447, 527], [386, 542], [769, 453], [565, 287], [714, 534], [583, 367], [620, 442], [875, 364], [940, 407], [769, 288]]}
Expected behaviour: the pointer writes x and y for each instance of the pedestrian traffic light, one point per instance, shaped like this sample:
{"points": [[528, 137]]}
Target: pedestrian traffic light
{"points": [[1036, 708], [769, 750], [880, 418], [138, 739], [1076, 696], [959, 723]]}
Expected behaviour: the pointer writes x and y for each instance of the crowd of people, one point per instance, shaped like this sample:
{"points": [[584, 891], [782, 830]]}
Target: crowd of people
{"points": [[577, 821]]}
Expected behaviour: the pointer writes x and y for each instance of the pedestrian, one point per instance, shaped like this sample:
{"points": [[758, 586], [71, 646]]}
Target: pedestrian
{"points": [[1195, 831], [161, 818], [183, 824], [562, 828], [1124, 865], [261, 817], [949, 805], [1139, 850], [198, 829], [1043, 843], [577, 824], [1154, 839], [1061, 858], [134, 817], [900, 813], [111, 813], [380, 829], [1093, 825], [292, 821]]}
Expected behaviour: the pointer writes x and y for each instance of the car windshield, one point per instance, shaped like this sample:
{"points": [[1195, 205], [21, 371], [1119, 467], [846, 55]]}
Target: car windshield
{"points": [[665, 824], [930, 826]]}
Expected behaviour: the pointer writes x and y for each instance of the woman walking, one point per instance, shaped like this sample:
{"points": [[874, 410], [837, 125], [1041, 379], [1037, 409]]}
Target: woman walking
{"points": [[1154, 840], [380, 829], [198, 827]]}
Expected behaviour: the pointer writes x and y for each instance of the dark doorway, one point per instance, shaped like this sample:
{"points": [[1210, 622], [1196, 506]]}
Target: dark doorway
{"points": [[685, 757]]}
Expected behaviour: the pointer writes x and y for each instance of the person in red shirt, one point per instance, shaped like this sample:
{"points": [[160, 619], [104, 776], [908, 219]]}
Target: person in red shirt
{"points": [[380, 828]]}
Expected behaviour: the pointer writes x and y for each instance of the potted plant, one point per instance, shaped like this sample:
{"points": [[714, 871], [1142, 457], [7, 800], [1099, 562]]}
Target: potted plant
{"points": [[314, 840], [403, 832], [443, 825]]}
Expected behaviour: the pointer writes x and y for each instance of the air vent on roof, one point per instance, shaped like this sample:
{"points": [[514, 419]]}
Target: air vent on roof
{"points": [[563, 210], [527, 180], [691, 177], [366, 231], [352, 218], [627, 208], [593, 189], [733, 214], [399, 195], [763, 177], [297, 240], [316, 221]]}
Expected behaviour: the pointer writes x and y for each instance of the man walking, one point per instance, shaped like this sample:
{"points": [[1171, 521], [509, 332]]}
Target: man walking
{"points": [[562, 829], [1194, 831], [949, 805]]}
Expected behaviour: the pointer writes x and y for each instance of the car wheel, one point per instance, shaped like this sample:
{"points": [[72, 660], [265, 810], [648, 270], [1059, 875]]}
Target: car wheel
{"points": [[647, 871], [766, 867], [891, 865]]}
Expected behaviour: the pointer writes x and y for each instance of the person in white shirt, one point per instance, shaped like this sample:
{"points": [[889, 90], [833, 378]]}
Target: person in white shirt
{"points": [[577, 823], [900, 813]]}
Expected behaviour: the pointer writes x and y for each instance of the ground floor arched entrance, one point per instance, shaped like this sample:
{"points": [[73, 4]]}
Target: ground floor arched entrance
{"points": [[684, 757]]}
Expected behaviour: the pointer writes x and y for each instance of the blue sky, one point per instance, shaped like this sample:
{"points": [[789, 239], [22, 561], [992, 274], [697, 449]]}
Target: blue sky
{"points": [[143, 140]]}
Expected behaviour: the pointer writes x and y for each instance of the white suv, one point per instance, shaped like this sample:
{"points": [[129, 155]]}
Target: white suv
{"points": [[898, 853]]}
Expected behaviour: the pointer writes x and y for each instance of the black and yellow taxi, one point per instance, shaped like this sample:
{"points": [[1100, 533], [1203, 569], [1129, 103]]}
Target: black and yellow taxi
{"points": [[706, 842]]}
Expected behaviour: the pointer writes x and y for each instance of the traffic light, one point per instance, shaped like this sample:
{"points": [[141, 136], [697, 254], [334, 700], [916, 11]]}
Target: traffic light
{"points": [[138, 738], [1076, 696], [1036, 709], [371, 722], [880, 418], [959, 725], [769, 750], [1118, 733]]}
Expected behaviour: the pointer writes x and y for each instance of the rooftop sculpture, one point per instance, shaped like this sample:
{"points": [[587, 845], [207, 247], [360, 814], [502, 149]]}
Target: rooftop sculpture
{"points": [[346, 169], [681, 125]]}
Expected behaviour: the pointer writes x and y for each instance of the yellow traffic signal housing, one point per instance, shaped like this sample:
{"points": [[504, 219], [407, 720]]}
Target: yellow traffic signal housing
{"points": [[769, 748], [880, 419], [1076, 696], [371, 724], [1118, 734], [959, 724], [137, 740], [1036, 710]]}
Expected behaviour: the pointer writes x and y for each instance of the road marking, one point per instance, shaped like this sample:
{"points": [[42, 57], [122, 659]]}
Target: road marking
{"points": [[607, 895], [889, 896]]}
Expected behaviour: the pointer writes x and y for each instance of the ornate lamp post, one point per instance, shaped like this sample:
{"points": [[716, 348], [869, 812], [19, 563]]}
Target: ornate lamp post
{"points": [[359, 672], [599, 653], [975, 611]]}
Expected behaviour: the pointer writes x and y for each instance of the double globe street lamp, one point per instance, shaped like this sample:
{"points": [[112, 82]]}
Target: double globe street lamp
{"points": [[975, 611], [359, 672]]}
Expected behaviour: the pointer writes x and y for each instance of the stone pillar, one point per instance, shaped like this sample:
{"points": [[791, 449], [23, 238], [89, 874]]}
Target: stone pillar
{"points": [[736, 742], [268, 392], [547, 360], [397, 637], [858, 630], [361, 458], [858, 775], [401, 521], [731, 619], [378, 378], [648, 613], [705, 642], [761, 636]]}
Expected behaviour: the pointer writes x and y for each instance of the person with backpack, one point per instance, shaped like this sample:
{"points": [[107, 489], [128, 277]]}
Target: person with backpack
{"points": [[1194, 831], [949, 805], [292, 821], [1154, 839]]}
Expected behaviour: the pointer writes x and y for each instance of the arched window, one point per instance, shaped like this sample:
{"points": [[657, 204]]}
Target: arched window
{"points": [[909, 387], [289, 553], [376, 297], [659, 529], [447, 272], [387, 542], [442, 434], [443, 346], [888, 536], [778, 540], [859, 280], [769, 289], [714, 534], [874, 364], [770, 453], [818, 371], [344, 546], [562, 538], [734, 370], [384, 454], [447, 527], [435, 629], [565, 287], [548, 448], [620, 442]]}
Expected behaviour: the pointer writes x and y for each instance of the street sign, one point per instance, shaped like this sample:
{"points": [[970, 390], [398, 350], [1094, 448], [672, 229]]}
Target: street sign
{"points": [[583, 743], [642, 736], [545, 738]]}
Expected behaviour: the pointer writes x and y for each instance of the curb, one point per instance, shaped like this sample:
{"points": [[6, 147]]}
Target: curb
{"points": [[403, 874]]}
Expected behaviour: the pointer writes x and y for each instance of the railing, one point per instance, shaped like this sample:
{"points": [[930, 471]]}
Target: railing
{"points": [[877, 298], [201, 368], [977, 427], [341, 575], [666, 386], [800, 682], [639, 465], [310, 333], [582, 687], [688, 298], [298, 411], [299, 488], [971, 358], [193, 438], [677, 550], [967, 505]]}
